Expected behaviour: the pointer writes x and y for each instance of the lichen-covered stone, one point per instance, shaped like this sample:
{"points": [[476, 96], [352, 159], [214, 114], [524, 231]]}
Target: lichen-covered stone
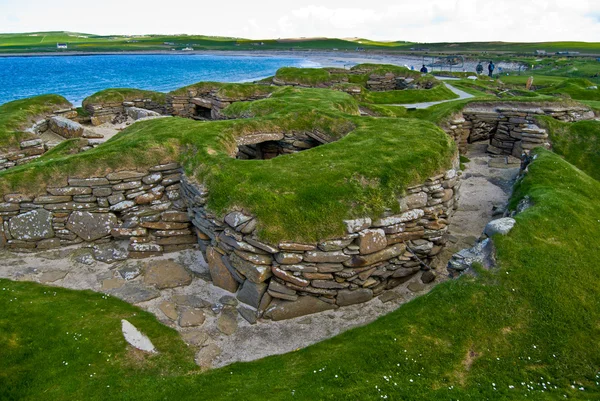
{"points": [[91, 226], [218, 271], [32, 226]]}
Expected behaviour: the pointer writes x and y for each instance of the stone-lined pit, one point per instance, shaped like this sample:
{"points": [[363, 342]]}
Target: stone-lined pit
{"points": [[265, 146]]}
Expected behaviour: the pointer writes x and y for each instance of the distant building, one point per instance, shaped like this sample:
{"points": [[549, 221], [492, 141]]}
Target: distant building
{"points": [[187, 49], [61, 46], [540, 52]]}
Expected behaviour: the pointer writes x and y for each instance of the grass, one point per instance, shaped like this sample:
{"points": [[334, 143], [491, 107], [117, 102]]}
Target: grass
{"points": [[303, 196], [120, 95], [408, 96], [578, 143], [526, 330], [17, 115], [576, 88]]}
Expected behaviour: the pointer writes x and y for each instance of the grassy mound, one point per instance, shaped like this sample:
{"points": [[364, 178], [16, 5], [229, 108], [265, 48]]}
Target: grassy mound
{"points": [[578, 143], [528, 330], [119, 95], [408, 96], [303, 196], [576, 89], [229, 92], [17, 115]]}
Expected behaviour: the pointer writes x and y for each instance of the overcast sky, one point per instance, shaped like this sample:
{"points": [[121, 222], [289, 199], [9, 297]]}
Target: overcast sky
{"points": [[419, 21]]}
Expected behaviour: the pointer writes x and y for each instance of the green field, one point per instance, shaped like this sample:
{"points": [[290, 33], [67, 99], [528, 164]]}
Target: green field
{"points": [[81, 42]]}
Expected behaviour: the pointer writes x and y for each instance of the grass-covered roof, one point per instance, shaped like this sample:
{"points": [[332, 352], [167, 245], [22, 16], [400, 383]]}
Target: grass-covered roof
{"points": [[303, 196]]}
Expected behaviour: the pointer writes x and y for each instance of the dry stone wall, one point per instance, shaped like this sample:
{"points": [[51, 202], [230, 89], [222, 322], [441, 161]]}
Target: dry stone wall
{"points": [[511, 128], [142, 207], [203, 104], [289, 279], [111, 111], [31, 149]]}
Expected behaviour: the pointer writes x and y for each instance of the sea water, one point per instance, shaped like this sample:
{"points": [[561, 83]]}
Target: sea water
{"points": [[76, 77]]}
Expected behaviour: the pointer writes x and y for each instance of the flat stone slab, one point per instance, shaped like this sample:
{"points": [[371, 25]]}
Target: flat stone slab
{"points": [[134, 292], [32, 226], [136, 338], [305, 305], [166, 274]]}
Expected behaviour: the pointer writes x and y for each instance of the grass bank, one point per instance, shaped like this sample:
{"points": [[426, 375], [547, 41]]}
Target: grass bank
{"points": [[527, 330], [17, 115]]}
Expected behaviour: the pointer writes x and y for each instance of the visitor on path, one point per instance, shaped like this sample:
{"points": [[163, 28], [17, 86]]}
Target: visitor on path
{"points": [[424, 69], [491, 68], [479, 69]]}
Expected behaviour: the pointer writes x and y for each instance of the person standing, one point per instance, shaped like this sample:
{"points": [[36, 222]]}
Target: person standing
{"points": [[479, 69], [424, 69], [491, 68]]}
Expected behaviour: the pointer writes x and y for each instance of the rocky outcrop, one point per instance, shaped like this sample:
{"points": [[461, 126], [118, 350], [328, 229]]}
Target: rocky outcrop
{"points": [[290, 279]]}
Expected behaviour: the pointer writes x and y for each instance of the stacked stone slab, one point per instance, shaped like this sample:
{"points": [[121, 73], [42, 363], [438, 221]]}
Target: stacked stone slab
{"points": [[109, 111], [59, 122], [186, 105], [333, 81], [270, 145], [143, 207], [292, 279], [511, 128]]}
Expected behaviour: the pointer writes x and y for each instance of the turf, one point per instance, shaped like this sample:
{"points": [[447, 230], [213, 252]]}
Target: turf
{"points": [[408, 96], [120, 95], [526, 330], [578, 143], [303, 196], [17, 115]]}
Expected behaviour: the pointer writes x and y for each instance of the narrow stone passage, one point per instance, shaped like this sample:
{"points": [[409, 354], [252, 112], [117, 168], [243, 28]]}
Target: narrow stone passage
{"points": [[486, 188]]}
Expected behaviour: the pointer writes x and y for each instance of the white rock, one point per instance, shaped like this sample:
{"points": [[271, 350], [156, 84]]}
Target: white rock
{"points": [[136, 338], [500, 226]]}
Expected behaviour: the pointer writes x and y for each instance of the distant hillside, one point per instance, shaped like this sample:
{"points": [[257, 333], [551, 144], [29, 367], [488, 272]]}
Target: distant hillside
{"points": [[46, 42]]}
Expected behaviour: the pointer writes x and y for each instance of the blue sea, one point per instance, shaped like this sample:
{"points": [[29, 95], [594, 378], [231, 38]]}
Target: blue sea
{"points": [[76, 77]]}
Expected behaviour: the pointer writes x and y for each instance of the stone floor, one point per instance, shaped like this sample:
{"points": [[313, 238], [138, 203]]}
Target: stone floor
{"points": [[177, 289]]}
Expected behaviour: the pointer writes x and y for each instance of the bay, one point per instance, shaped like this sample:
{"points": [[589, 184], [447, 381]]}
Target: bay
{"points": [[76, 77]]}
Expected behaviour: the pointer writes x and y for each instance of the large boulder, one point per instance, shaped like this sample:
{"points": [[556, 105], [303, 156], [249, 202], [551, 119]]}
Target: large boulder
{"points": [[136, 113], [91, 226], [32, 226], [499, 226], [65, 127]]}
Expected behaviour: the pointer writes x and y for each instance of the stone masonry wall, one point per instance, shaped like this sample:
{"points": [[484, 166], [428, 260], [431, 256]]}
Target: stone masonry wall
{"points": [[290, 279], [31, 149], [511, 129], [107, 112], [143, 208], [187, 105]]}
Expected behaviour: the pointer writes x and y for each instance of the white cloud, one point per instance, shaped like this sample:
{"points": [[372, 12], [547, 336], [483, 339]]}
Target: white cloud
{"points": [[433, 20]]}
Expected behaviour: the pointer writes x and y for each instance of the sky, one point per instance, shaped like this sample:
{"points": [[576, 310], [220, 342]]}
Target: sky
{"points": [[414, 21]]}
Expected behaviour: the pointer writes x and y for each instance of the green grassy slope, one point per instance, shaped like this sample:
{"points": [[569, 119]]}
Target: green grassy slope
{"points": [[302, 196], [46, 42], [527, 330], [16, 115], [406, 96], [578, 143]]}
